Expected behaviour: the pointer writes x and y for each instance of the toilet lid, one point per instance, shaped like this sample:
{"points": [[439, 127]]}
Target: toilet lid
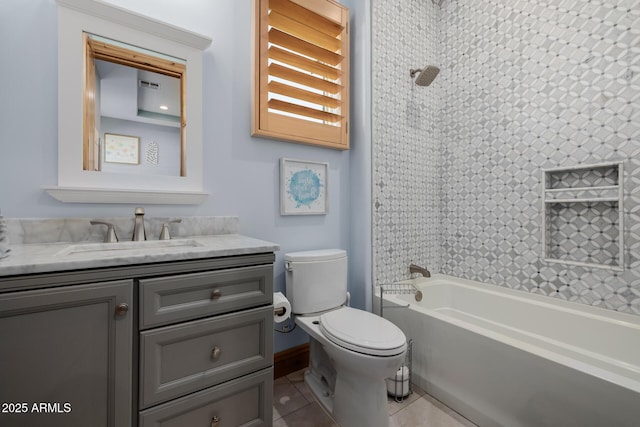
{"points": [[364, 332]]}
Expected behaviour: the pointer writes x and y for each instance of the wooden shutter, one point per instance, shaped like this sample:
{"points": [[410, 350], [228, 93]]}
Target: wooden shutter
{"points": [[301, 83]]}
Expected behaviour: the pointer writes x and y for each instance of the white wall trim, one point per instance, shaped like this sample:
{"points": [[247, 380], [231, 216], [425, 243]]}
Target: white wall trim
{"points": [[107, 195], [77, 16], [119, 15]]}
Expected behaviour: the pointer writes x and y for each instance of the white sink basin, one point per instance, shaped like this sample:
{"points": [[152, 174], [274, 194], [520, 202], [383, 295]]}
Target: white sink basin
{"points": [[126, 248]]}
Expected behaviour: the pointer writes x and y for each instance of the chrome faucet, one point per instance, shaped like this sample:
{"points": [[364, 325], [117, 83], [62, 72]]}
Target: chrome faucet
{"points": [[110, 237], [417, 269], [164, 234], [138, 228]]}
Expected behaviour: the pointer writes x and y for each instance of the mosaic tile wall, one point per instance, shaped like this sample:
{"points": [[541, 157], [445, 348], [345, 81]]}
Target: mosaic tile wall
{"points": [[524, 86], [405, 135]]}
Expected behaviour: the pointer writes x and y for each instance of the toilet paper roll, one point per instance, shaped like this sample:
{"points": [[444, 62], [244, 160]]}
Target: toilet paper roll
{"points": [[280, 302], [398, 384]]}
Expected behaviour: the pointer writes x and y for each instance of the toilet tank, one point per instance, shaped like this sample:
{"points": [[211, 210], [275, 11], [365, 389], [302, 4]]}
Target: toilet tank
{"points": [[316, 280]]}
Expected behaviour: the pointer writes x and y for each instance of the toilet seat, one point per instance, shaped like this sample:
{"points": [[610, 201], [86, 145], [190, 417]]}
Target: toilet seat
{"points": [[363, 332]]}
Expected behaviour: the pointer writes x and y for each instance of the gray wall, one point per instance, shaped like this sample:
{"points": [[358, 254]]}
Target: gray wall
{"points": [[524, 86], [240, 172]]}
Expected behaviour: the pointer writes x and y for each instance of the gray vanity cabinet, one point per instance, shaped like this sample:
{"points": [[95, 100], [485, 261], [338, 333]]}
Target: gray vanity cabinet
{"points": [[65, 356], [171, 344], [206, 348]]}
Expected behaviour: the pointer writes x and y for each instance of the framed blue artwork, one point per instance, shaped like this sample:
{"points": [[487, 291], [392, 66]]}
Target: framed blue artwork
{"points": [[303, 187]]}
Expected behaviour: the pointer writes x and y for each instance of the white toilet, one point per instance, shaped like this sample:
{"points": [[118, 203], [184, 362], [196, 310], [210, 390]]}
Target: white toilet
{"points": [[351, 351]]}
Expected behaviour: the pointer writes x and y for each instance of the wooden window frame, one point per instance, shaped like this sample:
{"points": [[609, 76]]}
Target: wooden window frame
{"points": [[332, 92]]}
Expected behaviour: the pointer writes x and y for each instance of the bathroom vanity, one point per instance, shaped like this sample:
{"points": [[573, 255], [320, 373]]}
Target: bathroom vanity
{"points": [[175, 335]]}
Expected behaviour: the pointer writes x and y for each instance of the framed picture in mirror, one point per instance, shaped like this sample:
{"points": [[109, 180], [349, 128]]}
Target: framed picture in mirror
{"points": [[121, 149]]}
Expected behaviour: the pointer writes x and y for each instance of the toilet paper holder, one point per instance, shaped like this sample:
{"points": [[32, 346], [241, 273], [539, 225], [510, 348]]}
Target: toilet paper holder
{"points": [[281, 308]]}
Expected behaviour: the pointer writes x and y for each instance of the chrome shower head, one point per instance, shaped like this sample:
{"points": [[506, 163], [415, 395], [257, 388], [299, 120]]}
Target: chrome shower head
{"points": [[426, 75]]}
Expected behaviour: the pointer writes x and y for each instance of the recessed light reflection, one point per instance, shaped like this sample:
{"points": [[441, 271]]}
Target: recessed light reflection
{"points": [[164, 107]]}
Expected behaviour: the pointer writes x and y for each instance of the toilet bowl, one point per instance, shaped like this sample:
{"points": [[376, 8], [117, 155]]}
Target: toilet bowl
{"points": [[352, 351], [355, 393]]}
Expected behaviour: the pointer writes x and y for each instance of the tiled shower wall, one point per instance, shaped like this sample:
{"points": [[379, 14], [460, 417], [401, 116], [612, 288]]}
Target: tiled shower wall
{"points": [[405, 135], [524, 86]]}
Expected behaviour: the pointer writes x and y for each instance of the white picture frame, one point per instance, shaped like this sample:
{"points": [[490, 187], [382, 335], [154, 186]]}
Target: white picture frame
{"points": [[303, 187], [121, 149]]}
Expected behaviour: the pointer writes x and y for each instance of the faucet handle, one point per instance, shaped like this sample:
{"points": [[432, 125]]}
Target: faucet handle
{"points": [[164, 234], [110, 237]]}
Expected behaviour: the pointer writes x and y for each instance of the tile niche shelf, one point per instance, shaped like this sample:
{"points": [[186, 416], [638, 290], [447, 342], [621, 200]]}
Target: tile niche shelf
{"points": [[583, 221]]}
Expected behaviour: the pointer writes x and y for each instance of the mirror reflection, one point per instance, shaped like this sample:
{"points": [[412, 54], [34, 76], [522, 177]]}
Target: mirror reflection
{"points": [[134, 109]]}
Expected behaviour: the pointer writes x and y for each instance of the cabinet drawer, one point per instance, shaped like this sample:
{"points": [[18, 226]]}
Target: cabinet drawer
{"points": [[244, 402], [172, 299], [183, 358]]}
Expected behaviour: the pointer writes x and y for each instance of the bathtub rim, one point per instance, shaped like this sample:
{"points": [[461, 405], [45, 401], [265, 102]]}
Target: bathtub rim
{"points": [[572, 306], [577, 308]]}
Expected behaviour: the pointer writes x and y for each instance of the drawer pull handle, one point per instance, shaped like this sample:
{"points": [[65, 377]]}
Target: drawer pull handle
{"points": [[215, 421], [216, 294], [122, 308], [215, 353]]}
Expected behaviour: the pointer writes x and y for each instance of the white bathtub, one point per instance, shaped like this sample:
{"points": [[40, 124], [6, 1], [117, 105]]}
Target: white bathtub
{"points": [[510, 358]]}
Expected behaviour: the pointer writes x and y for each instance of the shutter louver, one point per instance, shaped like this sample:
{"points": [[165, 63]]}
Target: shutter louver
{"points": [[303, 67]]}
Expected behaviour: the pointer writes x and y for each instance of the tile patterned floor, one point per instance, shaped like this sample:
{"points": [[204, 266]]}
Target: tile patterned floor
{"points": [[294, 406]]}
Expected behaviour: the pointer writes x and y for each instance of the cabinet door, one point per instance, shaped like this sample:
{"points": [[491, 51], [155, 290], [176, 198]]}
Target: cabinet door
{"points": [[65, 356]]}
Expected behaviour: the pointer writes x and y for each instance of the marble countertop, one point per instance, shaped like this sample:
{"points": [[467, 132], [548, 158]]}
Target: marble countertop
{"points": [[63, 244], [49, 257]]}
